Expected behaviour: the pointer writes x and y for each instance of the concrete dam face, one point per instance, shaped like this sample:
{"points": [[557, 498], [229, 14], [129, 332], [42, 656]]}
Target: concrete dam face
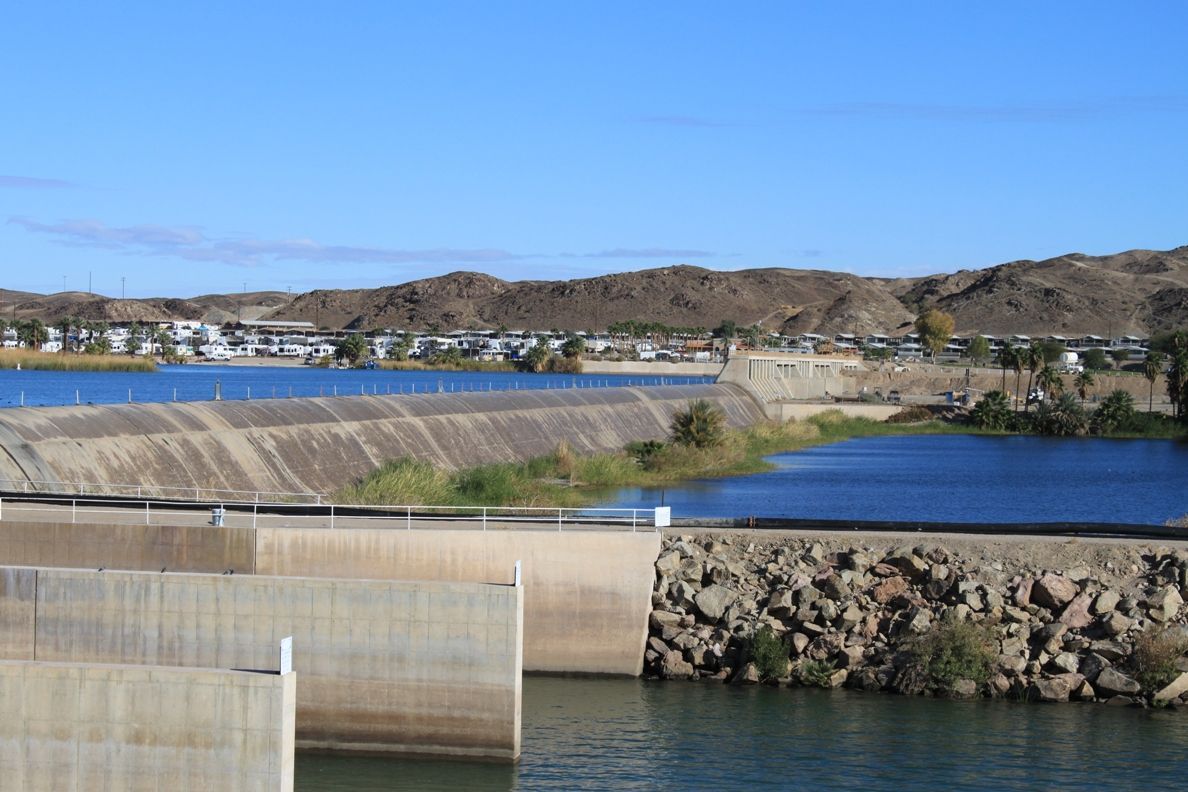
{"points": [[321, 444]]}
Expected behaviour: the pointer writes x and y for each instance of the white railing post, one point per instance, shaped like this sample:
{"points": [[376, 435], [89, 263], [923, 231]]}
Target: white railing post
{"points": [[633, 521], [484, 518], [255, 510], [73, 511], [408, 518], [331, 516], [147, 521], [558, 519]]}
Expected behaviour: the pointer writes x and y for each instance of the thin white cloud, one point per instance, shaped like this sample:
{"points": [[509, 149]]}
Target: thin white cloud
{"points": [[191, 243], [1053, 112], [32, 183]]}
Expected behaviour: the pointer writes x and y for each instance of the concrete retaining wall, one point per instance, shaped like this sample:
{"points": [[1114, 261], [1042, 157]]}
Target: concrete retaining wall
{"points": [[143, 547], [67, 726], [318, 445], [587, 595], [876, 412], [385, 666]]}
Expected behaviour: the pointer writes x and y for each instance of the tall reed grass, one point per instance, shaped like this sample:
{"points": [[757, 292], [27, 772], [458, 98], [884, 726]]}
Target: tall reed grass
{"points": [[53, 361]]}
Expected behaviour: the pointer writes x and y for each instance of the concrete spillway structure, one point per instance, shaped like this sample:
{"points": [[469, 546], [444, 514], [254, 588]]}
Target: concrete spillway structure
{"points": [[83, 726], [385, 666], [319, 445], [587, 594]]}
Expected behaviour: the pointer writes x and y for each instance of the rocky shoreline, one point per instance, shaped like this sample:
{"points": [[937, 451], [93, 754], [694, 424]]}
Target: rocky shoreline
{"points": [[1064, 621]]}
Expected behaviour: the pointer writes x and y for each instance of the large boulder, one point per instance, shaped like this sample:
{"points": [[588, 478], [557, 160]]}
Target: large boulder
{"points": [[1053, 689], [673, 666], [1111, 682], [1076, 614], [714, 600], [1054, 591], [1177, 688], [1164, 604], [889, 589]]}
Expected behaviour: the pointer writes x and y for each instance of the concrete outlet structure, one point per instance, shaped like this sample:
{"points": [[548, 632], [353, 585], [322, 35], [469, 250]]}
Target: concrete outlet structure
{"points": [[587, 593], [81, 726], [386, 666]]}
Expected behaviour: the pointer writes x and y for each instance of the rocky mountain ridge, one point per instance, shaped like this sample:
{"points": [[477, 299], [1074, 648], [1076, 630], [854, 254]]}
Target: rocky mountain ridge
{"points": [[1137, 292]]}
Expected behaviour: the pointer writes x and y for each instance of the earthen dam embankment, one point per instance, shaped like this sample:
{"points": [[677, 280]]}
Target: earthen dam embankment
{"points": [[321, 444]]}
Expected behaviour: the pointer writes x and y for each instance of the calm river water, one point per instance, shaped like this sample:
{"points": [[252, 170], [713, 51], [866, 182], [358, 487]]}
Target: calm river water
{"points": [[196, 382], [595, 734], [953, 478]]}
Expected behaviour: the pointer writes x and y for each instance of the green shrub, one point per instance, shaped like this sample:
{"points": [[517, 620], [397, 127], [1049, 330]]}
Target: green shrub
{"points": [[1155, 657], [955, 650], [814, 673], [1115, 413], [769, 653], [699, 425], [992, 412]]}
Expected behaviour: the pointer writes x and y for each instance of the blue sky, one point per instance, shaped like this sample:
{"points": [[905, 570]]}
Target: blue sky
{"points": [[314, 145]]}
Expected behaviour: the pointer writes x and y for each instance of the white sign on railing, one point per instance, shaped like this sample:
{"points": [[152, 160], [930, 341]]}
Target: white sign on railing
{"points": [[663, 516], [286, 655]]}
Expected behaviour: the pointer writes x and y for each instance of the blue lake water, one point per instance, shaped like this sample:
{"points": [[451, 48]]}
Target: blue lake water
{"points": [[627, 734], [196, 382], [955, 478]]}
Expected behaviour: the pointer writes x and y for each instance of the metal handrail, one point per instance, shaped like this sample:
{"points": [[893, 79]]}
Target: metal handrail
{"points": [[33, 486], [329, 515]]}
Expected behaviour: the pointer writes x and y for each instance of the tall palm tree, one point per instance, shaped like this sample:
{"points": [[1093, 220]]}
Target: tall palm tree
{"points": [[1083, 382], [1033, 358], [1050, 381], [1152, 368], [1018, 364], [1006, 359]]}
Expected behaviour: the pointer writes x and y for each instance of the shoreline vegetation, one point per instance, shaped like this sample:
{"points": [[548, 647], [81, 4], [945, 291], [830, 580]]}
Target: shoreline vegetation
{"points": [[52, 361], [564, 479]]}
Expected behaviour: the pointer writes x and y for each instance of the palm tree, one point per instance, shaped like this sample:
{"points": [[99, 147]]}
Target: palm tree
{"points": [[1152, 368], [1050, 381], [992, 412], [1006, 359], [1033, 359], [699, 425], [1083, 382], [1017, 363]]}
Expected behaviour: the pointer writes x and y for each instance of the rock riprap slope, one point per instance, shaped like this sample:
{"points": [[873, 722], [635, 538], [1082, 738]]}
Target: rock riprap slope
{"points": [[1041, 620]]}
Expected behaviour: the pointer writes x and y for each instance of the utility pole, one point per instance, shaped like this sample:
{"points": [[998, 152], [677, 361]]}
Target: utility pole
{"points": [[63, 283], [89, 283], [122, 279]]}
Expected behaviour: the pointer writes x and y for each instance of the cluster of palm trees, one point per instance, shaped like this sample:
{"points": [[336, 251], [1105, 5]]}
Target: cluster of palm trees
{"points": [[32, 333], [660, 333]]}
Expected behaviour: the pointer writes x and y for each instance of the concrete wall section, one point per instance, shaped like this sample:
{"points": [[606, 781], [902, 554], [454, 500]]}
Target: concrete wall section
{"points": [[587, 595], [875, 412], [385, 666], [18, 613], [134, 547], [67, 726], [291, 445]]}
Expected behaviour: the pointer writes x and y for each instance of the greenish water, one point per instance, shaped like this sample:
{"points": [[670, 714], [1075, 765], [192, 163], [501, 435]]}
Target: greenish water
{"points": [[595, 734]]}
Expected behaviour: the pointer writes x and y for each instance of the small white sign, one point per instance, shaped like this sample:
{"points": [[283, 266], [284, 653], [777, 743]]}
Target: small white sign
{"points": [[286, 655], [663, 516], [517, 574]]}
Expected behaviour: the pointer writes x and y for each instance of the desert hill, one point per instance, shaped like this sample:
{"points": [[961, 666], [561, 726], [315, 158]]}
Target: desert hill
{"points": [[1136, 292]]}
